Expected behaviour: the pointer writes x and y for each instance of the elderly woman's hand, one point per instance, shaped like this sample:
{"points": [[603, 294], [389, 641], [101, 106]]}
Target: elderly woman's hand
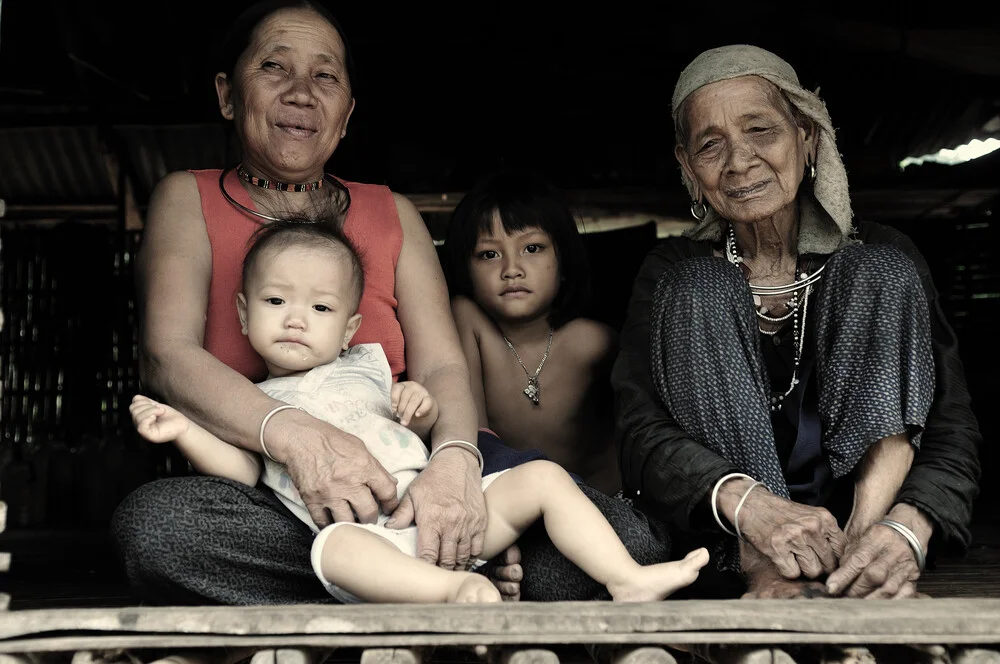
{"points": [[880, 563], [446, 503], [333, 471], [800, 540], [777, 587]]}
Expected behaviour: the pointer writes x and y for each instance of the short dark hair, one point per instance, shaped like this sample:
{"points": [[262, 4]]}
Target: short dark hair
{"points": [[522, 199], [241, 32], [304, 233]]}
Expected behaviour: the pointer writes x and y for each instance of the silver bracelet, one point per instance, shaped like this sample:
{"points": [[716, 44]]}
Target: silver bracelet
{"points": [[715, 496], [460, 443], [739, 506], [911, 539], [264, 424]]}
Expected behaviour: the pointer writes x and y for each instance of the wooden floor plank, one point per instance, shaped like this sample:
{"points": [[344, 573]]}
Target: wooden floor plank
{"points": [[178, 641], [924, 618]]}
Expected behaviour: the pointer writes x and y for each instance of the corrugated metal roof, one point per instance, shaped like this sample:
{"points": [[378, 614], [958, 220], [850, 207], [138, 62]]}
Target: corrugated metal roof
{"points": [[154, 151], [54, 164]]}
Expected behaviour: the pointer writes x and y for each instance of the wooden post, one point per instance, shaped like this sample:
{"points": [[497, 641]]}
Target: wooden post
{"points": [[724, 654], [288, 656], [642, 655], [4, 557], [975, 656], [392, 656], [515, 655]]}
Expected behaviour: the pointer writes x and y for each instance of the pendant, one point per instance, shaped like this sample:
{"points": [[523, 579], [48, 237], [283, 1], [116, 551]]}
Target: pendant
{"points": [[533, 389]]}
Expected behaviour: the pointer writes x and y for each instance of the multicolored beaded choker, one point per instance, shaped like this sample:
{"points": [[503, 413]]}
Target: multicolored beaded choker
{"points": [[272, 184]]}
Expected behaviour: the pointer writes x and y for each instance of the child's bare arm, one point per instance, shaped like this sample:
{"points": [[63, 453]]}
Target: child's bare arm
{"points": [[159, 423], [415, 407], [468, 316]]}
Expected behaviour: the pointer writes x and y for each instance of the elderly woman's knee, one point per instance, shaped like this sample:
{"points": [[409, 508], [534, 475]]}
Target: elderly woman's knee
{"points": [[139, 526], [159, 524], [872, 265], [703, 282]]}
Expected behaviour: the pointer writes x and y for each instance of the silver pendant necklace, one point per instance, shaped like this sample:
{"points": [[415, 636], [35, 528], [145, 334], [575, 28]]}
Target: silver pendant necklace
{"points": [[534, 388]]}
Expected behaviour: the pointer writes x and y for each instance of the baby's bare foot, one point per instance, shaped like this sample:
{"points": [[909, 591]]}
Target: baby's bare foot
{"points": [[654, 582], [473, 588]]}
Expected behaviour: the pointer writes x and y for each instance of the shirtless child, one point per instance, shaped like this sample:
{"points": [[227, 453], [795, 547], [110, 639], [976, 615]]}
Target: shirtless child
{"points": [[540, 371]]}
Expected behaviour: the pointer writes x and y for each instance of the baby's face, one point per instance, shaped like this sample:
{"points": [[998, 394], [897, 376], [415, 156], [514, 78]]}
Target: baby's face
{"points": [[298, 308]]}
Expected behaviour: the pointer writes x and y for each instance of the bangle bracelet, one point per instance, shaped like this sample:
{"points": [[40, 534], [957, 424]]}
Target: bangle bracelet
{"points": [[911, 539], [739, 506], [264, 424], [715, 496], [459, 443]]}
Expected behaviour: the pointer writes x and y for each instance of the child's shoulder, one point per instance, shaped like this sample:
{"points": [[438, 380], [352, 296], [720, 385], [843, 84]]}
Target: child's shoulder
{"points": [[468, 313], [589, 338]]}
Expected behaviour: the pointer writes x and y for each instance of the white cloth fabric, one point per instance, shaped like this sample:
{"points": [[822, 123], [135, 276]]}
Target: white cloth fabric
{"points": [[354, 394]]}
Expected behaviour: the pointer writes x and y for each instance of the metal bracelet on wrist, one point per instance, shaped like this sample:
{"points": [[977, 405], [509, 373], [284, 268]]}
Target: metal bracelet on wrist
{"points": [[911, 539]]}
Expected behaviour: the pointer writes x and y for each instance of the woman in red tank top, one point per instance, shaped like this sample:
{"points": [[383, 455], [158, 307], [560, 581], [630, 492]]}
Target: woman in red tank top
{"points": [[287, 91]]}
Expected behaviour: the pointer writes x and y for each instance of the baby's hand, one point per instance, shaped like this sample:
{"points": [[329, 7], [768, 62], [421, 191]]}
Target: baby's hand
{"points": [[157, 422], [411, 400]]}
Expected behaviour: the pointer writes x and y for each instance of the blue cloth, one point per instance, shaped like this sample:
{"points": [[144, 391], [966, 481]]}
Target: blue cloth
{"points": [[497, 456]]}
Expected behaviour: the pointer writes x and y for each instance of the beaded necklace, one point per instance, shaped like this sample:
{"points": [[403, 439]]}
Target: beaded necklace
{"points": [[264, 183], [261, 215], [798, 305]]}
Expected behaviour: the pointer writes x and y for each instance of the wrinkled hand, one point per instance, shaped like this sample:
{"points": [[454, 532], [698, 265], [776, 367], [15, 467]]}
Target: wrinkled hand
{"points": [[333, 471], [446, 503], [878, 565], [411, 400], [507, 574], [157, 422], [776, 587], [801, 540]]}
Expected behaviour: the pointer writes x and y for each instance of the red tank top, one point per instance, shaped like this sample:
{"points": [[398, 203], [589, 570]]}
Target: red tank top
{"points": [[372, 224]]}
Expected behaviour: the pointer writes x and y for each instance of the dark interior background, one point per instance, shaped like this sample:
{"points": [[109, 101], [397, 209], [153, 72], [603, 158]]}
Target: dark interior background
{"points": [[98, 100]]}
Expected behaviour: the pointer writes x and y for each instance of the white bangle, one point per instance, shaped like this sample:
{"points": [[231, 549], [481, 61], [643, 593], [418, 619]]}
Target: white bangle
{"points": [[715, 495], [264, 424], [459, 443], [911, 539], [739, 505]]}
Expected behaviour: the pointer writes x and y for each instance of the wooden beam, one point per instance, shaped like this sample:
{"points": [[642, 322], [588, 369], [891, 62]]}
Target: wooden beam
{"points": [[932, 621]]}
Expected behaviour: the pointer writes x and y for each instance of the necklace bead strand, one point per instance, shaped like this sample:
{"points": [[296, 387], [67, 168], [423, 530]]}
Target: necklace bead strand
{"points": [[798, 306]]}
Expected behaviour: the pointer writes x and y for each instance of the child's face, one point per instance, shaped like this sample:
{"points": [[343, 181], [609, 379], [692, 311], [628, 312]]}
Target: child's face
{"points": [[297, 308], [515, 277]]}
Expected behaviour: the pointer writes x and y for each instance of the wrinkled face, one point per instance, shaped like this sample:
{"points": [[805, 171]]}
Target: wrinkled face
{"points": [[290, 97], [744, 151], [515, 277], [297, 307]]}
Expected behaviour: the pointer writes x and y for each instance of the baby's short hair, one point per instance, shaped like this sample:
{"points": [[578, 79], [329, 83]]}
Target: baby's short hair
{"points": [[305, 233]]}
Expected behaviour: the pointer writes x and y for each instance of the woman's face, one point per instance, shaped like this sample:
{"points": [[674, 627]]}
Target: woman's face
{"points": [[290, 97], [744, 151]]}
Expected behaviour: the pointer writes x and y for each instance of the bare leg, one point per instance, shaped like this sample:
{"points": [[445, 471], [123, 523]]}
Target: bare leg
{"points": [[542, 489], [370, 567], [880, 475]]}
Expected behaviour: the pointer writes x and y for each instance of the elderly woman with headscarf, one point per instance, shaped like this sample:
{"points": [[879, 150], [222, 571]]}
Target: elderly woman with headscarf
{"points": [[787, 384]]}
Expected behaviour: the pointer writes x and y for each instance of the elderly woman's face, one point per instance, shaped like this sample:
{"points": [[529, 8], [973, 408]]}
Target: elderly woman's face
{"points": [[744, 151], [290, 98]]}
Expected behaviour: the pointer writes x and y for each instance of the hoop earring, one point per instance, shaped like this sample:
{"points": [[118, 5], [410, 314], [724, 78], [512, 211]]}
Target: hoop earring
{"points": [[699, 210], [812, 172]]}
